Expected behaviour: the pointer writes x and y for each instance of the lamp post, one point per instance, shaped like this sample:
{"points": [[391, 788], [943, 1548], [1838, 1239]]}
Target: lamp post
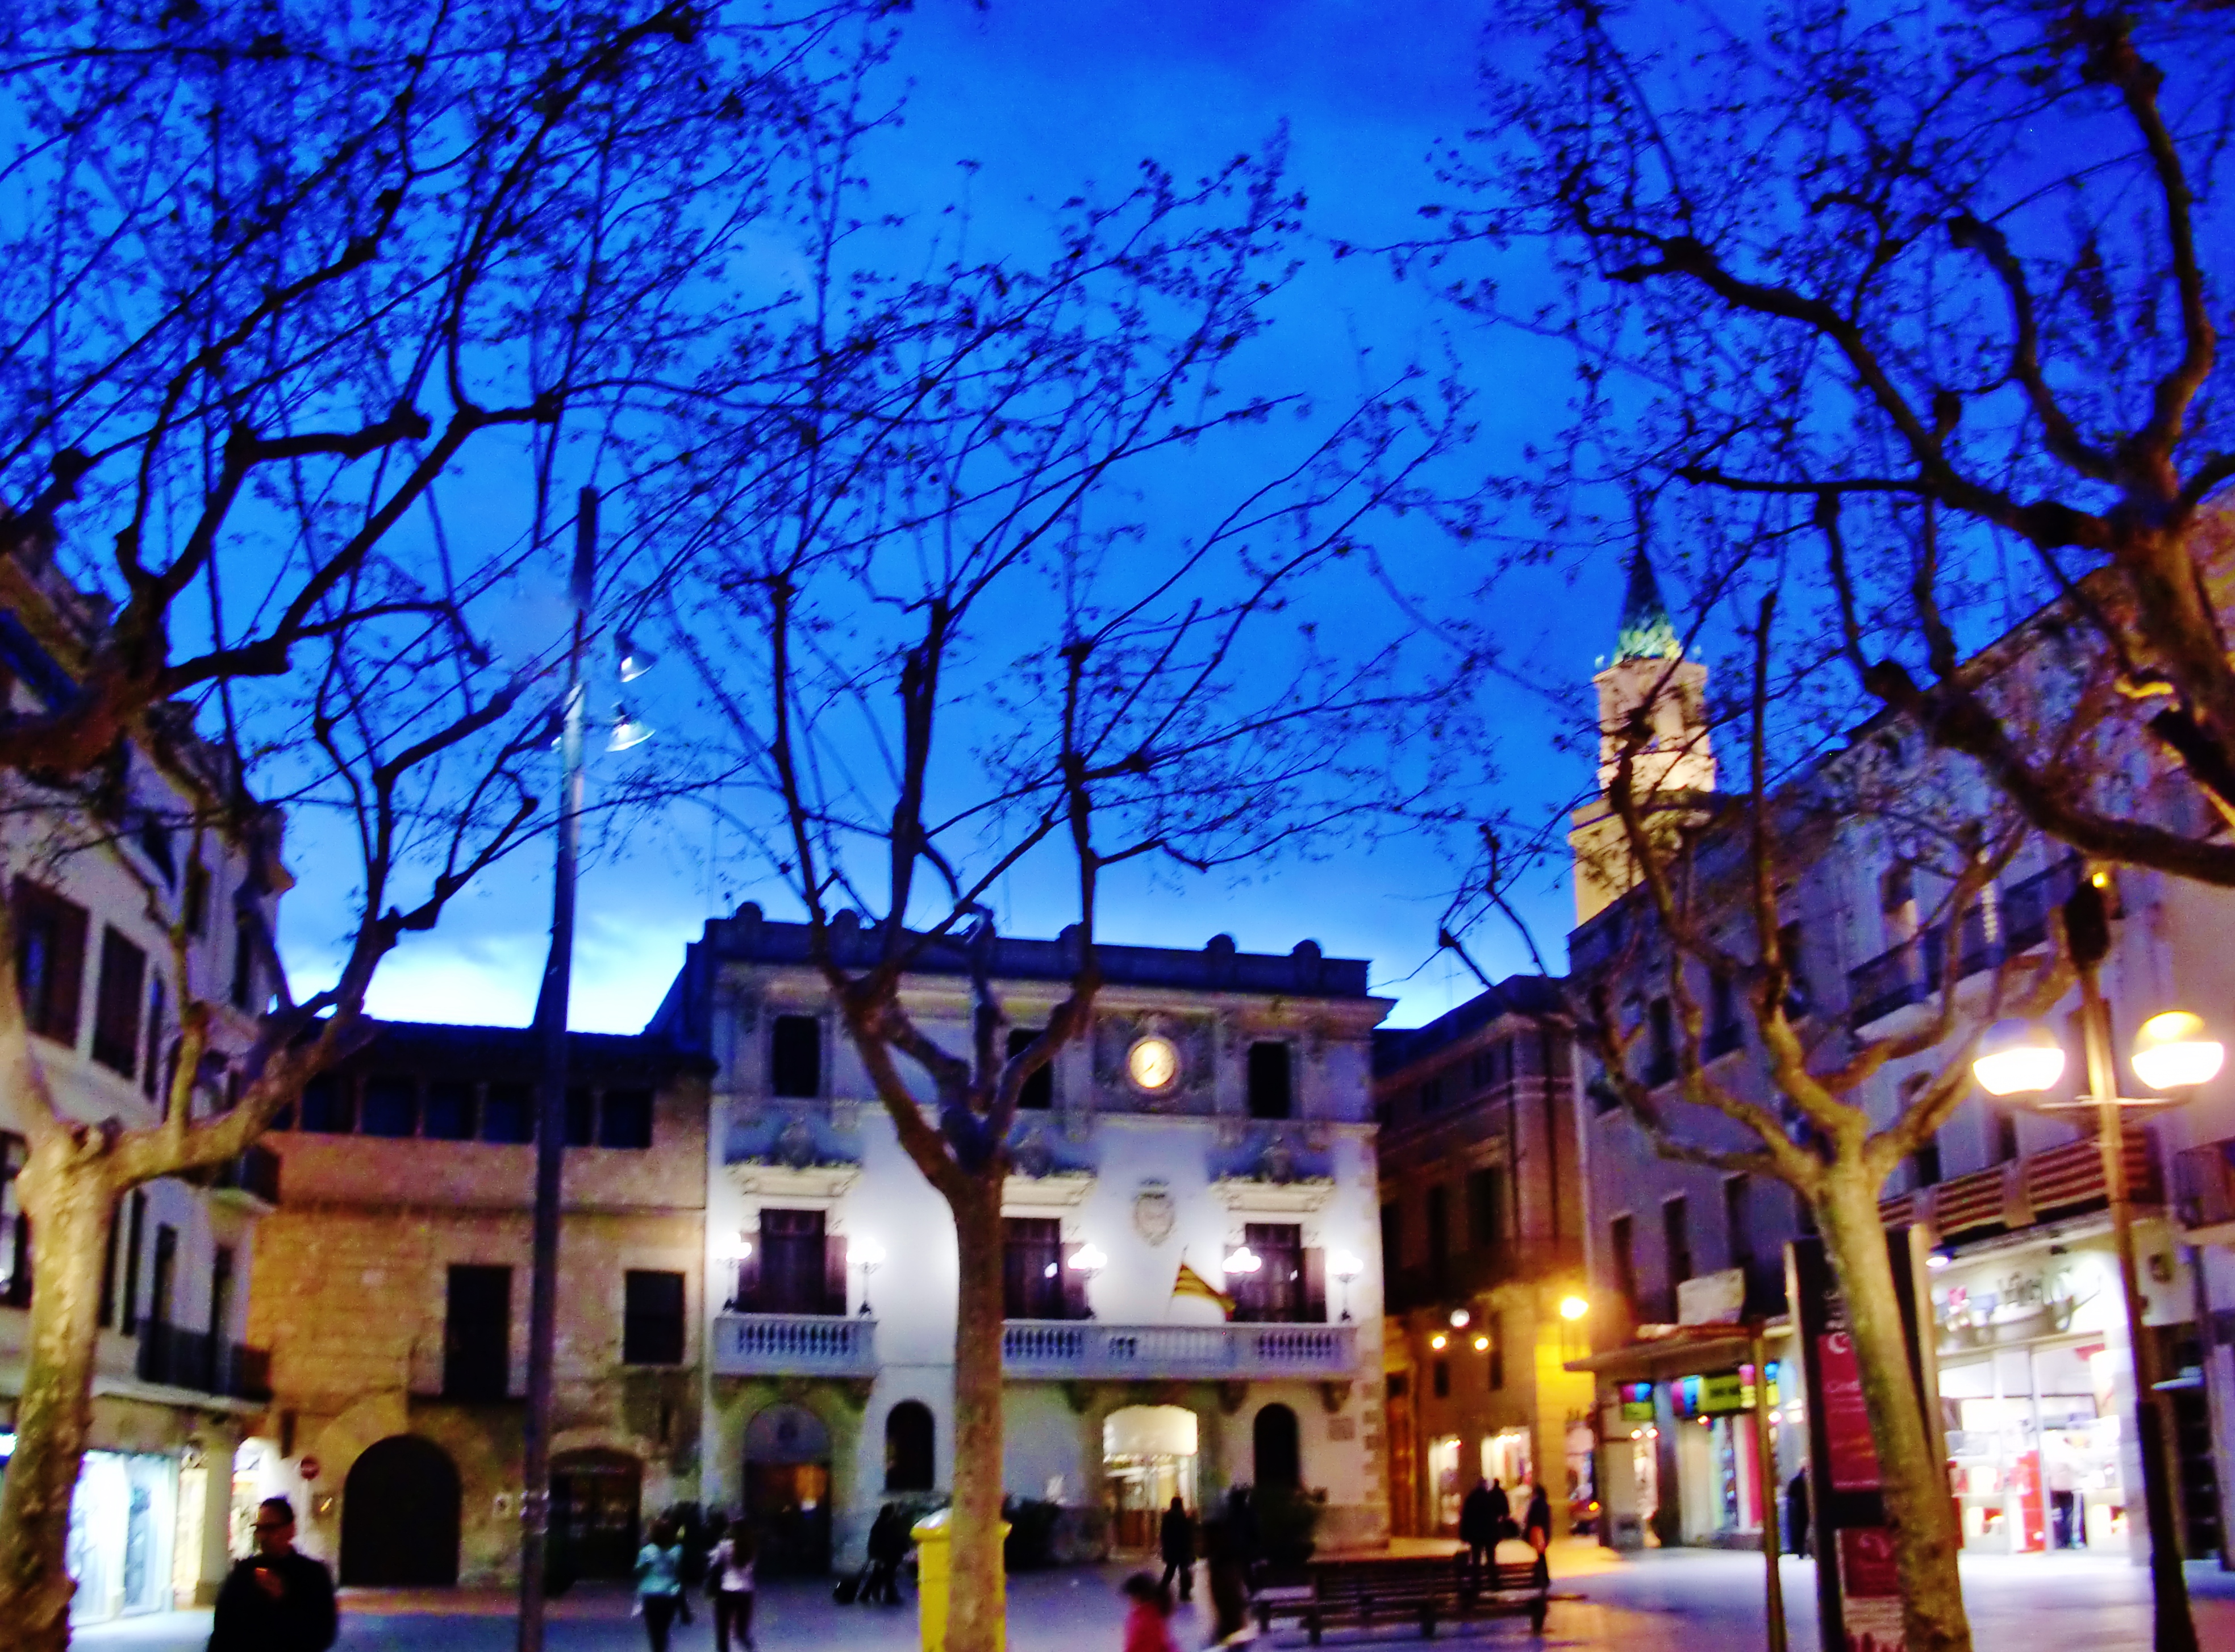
{"points": [[1346, 1268], [2172, 1053], [867, 1255], [551, 1004]]}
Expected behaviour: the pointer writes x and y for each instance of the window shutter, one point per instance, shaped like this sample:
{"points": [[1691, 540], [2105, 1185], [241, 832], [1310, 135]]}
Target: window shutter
{"points": [[1315, 1311], [834, 1274], [1075, 1305], [749, 1277], [66, 988]]}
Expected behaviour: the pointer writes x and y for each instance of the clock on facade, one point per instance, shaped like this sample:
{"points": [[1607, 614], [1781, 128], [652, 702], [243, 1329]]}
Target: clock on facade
{"points": [[1152, 1063]]}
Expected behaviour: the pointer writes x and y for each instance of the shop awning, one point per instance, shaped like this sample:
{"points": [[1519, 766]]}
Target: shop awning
{"points": [[1685, 1351]]}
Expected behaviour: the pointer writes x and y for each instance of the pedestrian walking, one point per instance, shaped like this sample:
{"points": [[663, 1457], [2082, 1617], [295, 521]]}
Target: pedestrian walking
{"points": [[1537, 1531], [888, 1543], [1175, 1541], [1479, 1519], [1242, 1531], [729, 1576], [278, 1599], [659, 1582], [1148, 1626], [1796, 1512], [1229, 1589]]}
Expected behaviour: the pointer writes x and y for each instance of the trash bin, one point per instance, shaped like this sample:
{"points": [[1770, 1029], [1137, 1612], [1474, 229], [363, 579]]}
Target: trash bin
{"points": [[931, 1577]]}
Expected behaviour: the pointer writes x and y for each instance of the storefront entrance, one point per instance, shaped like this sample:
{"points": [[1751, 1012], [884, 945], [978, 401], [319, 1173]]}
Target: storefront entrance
{"points": [[595, 1496], [123, 1516], [787, 1484], [1148, 1459]]}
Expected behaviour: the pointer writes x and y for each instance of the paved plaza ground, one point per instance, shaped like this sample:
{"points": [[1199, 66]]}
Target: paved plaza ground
{"points": [[1658, 1602]]}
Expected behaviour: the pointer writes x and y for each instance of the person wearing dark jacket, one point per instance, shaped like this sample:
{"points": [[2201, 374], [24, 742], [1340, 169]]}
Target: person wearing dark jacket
{"points": [[1796, 1513], [888, 1547], [1482, 1519], [1176, 1540], [277, 1600], [1537, 1531]]}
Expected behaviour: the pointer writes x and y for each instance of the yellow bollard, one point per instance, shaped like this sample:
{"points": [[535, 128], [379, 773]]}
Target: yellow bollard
{"points": [[933, 1545]]}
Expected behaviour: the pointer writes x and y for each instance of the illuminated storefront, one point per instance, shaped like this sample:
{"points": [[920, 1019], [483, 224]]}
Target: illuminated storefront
{"points": [[2036, 1392]]}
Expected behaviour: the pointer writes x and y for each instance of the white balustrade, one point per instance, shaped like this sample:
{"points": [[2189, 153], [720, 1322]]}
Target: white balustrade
{"points": [[794, 1345], [1091, 1348]]}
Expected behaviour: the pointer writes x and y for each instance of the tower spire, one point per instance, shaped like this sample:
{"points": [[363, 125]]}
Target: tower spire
{"points": [[1647, 631]]}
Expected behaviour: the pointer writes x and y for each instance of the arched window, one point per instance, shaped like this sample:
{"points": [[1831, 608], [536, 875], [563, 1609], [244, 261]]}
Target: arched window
{"points": [[1280, 1458], [909, 1455]]}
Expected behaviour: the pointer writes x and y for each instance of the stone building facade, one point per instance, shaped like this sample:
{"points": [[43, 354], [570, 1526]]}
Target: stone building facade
{"points": [[97, 876], [392, 1288], [1482, 1222], [1217, 1115]]}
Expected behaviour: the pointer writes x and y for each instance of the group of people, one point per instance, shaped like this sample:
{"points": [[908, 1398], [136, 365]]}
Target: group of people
{"points": [[1486, 1520], [662, 1598], [1229, 1546]]}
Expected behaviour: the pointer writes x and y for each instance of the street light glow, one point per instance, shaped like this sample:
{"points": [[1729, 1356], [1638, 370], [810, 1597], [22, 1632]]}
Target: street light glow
{"points": [[1345, 1267], [1088, 1259], [2173, 1052], [1574, 1308], [865, 1253], [1461, 1319], [1244, 1260], [2017, 1059]]}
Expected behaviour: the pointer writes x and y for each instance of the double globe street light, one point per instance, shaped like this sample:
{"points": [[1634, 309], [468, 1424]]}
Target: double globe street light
{"points": [[2173, 1053]]}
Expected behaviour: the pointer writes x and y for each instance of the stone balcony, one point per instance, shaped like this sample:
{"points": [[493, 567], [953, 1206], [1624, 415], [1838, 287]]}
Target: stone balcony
{"points": [[1089, 1349], [794, 1345]]}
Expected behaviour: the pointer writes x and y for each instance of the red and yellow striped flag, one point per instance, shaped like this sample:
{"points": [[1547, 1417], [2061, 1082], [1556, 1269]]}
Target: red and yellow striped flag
{"points": [[1190, 1284]]}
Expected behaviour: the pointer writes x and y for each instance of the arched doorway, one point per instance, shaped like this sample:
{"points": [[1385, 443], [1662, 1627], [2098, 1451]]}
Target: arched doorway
{"points": [[1279, 1456], [400, 1515], [787, 1489], [595, 1496], [1148, 1459], [911, 1464]]}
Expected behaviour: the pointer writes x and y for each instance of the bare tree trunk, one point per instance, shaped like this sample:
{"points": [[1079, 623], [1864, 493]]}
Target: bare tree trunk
{"points": [[1913, 1480], [68, 1193], [973, 1619]]}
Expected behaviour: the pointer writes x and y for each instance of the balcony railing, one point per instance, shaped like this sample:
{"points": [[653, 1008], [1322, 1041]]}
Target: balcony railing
{"points": [[2027, 903], [2057, 1182], [1058, 1348], [794, 1345], [2204, 1184], [1890, 981], [181, 1359]]}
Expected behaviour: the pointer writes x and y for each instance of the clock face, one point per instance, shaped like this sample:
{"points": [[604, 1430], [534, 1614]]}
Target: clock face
{"points": [[1152, 1063]]}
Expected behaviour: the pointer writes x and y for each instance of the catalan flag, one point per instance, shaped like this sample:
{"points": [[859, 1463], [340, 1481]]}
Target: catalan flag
{"points": [[1188, 1282]]}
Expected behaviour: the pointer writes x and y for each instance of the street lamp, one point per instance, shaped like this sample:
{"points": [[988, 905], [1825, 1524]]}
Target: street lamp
{"points": [[2172, 1053], [551, 1099], [1346, 1268], [867, 1255], [1574, 1308], [1244, 1260]]}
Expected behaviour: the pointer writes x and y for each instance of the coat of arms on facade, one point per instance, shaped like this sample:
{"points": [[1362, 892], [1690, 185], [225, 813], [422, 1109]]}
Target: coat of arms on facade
{"points": [[1154, 1213]]}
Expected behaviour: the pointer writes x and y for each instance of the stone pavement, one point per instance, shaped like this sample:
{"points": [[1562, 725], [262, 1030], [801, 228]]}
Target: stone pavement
{"points": [[1658, 1602]]}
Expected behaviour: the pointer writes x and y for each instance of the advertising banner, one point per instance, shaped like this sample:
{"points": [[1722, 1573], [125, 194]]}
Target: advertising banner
{"points": [[1858, 1591]]}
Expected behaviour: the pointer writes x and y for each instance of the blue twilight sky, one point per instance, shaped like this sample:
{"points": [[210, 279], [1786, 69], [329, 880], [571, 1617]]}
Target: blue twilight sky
{"points": [[1046, 97]]}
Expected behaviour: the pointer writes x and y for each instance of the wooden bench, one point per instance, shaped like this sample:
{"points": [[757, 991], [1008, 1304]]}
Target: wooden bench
{"points": [[1425, 1591]]}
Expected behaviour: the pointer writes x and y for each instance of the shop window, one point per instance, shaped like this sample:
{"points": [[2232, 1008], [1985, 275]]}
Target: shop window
{"points": [[652, 1323], [390, 1107], [910, 1463], [449, 1112], [477, 1334], [795, 1057], [116, 1004], [1038, 1091], [49, 960], [625, 1120], [508, 1114], [1270, 1094]]}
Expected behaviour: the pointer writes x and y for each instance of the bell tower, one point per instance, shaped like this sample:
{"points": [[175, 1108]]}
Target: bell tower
{"points": [[1648, 687]]}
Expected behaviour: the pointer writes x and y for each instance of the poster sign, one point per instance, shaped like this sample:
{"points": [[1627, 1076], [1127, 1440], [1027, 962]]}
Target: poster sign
{"points": [[1870, 1581], [1858, 1597], [1636, 1402]]}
